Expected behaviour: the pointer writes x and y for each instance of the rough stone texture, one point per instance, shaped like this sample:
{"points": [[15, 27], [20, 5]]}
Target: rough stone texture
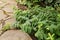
{"points": [[15, 35], [7, 6], [2, 16]]}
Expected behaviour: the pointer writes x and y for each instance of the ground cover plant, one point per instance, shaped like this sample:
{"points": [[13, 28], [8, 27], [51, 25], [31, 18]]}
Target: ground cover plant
{"points": [[43, 22]]}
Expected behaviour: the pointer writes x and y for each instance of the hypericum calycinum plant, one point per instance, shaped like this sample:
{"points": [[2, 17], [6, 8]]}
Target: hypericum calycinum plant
{"points": [[43, 23]]}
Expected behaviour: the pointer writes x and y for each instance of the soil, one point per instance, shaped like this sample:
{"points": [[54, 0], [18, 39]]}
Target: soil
{"points": [[33, 37]]}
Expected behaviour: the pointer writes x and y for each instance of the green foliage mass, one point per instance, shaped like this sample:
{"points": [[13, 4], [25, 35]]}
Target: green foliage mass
{"points": [[39, 20], [42, 22]]}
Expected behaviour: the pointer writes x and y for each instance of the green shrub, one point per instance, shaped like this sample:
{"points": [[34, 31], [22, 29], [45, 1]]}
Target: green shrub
{"points": [[43, 22]]}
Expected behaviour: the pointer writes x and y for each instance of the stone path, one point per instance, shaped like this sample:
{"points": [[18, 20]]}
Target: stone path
{"points": [[6, 12], [6, 16]]}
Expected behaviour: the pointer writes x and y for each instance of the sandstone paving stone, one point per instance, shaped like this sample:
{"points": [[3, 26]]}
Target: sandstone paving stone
{"points": [[6, 5], [15, 35]]}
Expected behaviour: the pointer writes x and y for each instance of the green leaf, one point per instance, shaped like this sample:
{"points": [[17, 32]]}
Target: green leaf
{"points": [[58, 39]]}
